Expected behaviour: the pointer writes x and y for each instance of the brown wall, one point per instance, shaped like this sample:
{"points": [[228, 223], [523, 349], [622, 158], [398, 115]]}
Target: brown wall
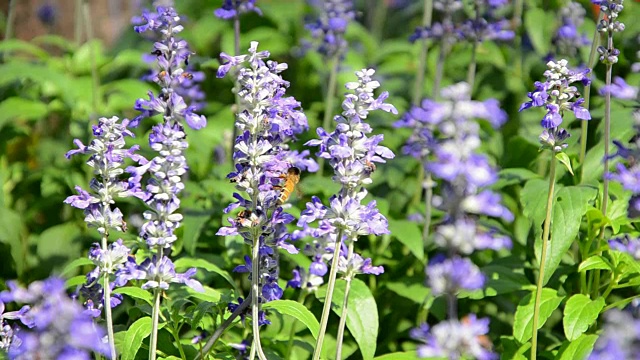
{"points": [[108, 17]]}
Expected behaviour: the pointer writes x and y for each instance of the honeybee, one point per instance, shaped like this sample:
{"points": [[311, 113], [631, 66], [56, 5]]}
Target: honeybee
{"points": [[187, 75], [369, 166], [290, 180]]}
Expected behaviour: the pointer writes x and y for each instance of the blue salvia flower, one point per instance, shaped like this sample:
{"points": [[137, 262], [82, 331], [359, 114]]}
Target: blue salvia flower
{"points": [[166, 169], [234, 8], [47, 14], [609, 24], [267, 120], [171, 54], [620, 338], [629, 175], [568, 39], [557, 95], [328, 30], [352, 154], [445, 29], [56, 326], [454, 339], [626, 244], [7, 330], [487, 25], [621, 90]]}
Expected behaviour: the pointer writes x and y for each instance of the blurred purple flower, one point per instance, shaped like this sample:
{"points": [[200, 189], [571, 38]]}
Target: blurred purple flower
{"points": [[234, 8]]}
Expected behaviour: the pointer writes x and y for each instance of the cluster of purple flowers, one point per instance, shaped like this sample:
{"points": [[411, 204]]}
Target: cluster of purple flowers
{"points": [[445, 140], [557, 95], [329, 28], [486, 25], [54, 325], [568, 39], [352, 154], [266, 121], [620, 338], [234, 8]]}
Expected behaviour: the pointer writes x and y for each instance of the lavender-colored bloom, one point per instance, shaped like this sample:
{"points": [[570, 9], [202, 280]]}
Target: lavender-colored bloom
{"points": [[58, 327], [626, 244], [47, 14], [568, 40], [352, 155], [161, 273], [107, 154], [620, 89], [234, 8], [266, 120], [171, 54], [453, 339], [450, 276], [329, 28], [557, 95], [620, 338]]}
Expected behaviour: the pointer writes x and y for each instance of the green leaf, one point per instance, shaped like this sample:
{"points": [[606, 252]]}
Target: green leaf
{"points": [[136, 293], [500, 280], [133, 337], [187, 262], [21, 108], [297, 311], [58, 242], [192, 227], [578, 349], [414, 291], [209, 294], [539, 29], [409, 355], [75, 281], [11, 228], [512, 349], [14, 45], [83, 261], [523, 321], [408, 233], [571, 203], [579, 313], [632, 265], [533, 198], [593, 263], [564, 159], [362, 317]]}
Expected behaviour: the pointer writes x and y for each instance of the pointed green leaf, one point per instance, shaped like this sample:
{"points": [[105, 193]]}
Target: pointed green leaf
{"points": [[133, 337], [186, 262], [297, 311], [135, 293], [564, 159], [593, 263], [408, 233], [579, 313], [83, 261], [578, 349], [362, 317], [523, 321]]}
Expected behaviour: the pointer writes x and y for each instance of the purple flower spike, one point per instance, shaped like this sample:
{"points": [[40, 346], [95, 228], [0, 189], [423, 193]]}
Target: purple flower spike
{"points": [[233, 8], [450, 276], [56, 326], [453, 339]]}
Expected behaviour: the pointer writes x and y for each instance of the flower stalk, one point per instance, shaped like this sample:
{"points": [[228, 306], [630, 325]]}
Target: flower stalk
{"points": [[543, 256]]}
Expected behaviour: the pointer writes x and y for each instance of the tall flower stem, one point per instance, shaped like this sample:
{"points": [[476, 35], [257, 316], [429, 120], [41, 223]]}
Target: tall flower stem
{"points": [[471, 72], [422, 59], [584, 126], [95, 80], [107, 305], [607, 140], [326, 310], [236, 52], [345, 309], [255, 300], [8, 31], [155, 314], [543, 256], [328, 101], [379, 17]]}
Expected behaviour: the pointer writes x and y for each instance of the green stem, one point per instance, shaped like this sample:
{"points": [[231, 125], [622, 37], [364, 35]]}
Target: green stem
{"points": [[422, 59], [328, 101], [379, 17], [77, 27], [584, 126], [95, 80], [543, 257], [471, 72], [255, 300], [326, 310], [620, 302], [176, 336], [610, 287], [153, 342], [345, 308], [301, 298], [607, 140], [428, 197], [11, 14], [107, 305], [220, 330]]}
